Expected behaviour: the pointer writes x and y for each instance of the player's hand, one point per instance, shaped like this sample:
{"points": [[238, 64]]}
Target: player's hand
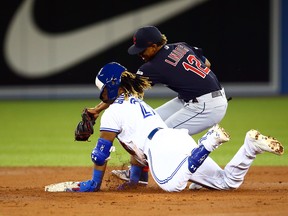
{"points": [[86, 186]]}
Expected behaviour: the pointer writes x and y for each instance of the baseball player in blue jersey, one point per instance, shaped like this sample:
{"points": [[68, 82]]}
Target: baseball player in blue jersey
{"points": [[173, 157], [201, 101]]}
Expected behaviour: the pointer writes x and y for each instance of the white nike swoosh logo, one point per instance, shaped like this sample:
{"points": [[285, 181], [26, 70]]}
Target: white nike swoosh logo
{"points": [[32, 53]]}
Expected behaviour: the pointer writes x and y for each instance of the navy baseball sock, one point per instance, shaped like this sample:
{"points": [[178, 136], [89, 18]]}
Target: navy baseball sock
{"points": [[135, 173]]}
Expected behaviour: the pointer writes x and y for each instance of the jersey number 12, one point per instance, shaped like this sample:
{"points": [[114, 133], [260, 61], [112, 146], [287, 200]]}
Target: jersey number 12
{"points": [[195, 66]]}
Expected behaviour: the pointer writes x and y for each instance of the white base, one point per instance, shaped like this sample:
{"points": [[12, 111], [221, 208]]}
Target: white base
{"points": [[61, 187]]}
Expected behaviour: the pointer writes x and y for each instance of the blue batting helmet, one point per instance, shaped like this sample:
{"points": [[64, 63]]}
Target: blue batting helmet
{"points": [[110, 77]]}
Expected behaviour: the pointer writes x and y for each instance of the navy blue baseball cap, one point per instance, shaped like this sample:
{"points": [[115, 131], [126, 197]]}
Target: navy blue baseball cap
{"points": [[143, 38]]}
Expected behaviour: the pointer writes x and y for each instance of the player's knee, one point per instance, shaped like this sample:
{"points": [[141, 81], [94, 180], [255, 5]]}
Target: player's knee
{"points": [[232, 182]]}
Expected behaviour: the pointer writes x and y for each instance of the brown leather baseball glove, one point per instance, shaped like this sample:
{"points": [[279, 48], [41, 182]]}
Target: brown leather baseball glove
{"points": [[84, 128]]}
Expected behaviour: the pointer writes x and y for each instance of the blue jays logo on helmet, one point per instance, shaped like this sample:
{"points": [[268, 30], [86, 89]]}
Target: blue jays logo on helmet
{"points": [[110, 77]]}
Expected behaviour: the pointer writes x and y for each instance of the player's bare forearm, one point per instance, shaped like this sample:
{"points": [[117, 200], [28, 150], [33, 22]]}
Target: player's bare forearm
{"points": [[98, 109]]}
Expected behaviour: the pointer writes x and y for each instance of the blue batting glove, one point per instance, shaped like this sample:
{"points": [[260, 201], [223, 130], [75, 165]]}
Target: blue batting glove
{"points": [[86, 186], [89, 186]]}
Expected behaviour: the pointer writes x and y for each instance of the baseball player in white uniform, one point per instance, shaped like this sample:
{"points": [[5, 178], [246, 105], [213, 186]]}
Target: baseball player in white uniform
{"points": [[172, 155]]}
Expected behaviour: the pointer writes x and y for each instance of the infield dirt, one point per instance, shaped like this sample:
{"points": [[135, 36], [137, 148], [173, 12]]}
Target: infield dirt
{"points": [[264, 192]]}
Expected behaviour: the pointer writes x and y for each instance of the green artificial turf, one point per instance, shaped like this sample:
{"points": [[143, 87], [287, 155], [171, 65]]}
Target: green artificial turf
{"points": [[41, 132]]}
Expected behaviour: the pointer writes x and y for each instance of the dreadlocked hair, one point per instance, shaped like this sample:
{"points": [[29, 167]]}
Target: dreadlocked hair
{"points": [[133, 84]]}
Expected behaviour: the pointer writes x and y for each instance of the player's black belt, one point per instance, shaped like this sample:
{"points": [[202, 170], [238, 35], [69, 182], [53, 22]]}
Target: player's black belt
{"points": [[213, 95], [153, 132]]}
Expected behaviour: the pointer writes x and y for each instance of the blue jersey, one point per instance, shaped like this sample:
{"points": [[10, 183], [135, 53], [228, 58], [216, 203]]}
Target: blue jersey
{"points": [[181, 68]]}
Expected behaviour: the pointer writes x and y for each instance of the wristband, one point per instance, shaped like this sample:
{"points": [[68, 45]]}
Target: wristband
{"points": [[97, 176]]}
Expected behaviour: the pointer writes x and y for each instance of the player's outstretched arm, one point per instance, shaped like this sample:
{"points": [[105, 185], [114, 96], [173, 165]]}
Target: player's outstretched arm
{"points": [[94, 184], [98, 109], [99, 156]]}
